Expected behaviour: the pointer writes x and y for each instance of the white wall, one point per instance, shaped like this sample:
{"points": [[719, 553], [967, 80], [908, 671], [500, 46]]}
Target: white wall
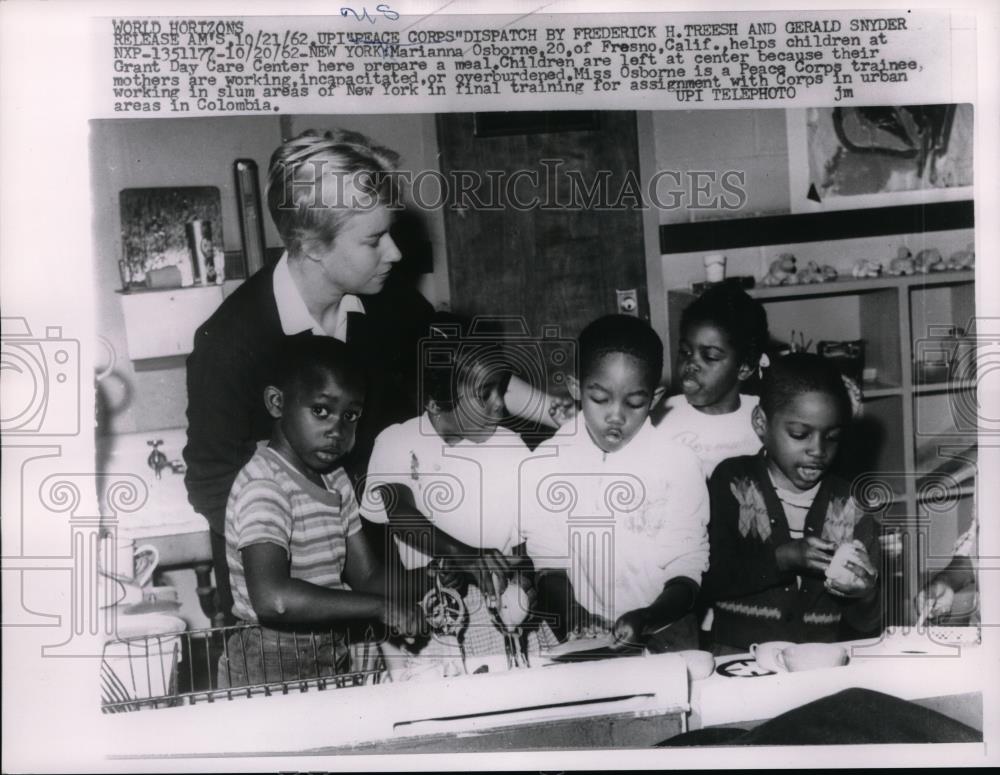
{"points": [[753, 142]]}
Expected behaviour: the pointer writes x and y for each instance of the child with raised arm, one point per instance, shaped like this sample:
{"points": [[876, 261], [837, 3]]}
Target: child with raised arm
{"points": [[794, 557], [300, 566], [446, 482], [615, 513], [723, 336]]}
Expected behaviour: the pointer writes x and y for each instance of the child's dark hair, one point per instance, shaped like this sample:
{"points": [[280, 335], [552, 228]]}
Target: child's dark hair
{"points": [[798, 373], [306, 360], [741, 318], [621, 334], [450, 353]]}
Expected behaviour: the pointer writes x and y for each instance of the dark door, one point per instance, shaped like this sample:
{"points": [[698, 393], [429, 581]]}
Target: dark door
{"points": [[550, 264]]}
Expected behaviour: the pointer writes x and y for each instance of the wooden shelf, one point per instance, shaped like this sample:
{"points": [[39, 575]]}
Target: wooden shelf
{"points": [[161, 323], [139, 290], [927, 468], [878, 389], [964, 490], [853, 285], [950, 453], [944, 387]]}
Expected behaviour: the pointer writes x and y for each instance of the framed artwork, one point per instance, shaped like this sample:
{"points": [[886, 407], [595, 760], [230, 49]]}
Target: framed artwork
{"points": [[154, 228], [860, 157]]}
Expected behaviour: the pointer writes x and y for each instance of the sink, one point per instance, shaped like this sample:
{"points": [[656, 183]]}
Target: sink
{"points": [[162, 515]]}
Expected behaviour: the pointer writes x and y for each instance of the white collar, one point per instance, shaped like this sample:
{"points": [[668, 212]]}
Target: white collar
{"points": [[294, 314]]}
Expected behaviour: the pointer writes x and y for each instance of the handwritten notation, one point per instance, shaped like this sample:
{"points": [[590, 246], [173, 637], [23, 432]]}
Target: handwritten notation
{"points": [[382, 10]]}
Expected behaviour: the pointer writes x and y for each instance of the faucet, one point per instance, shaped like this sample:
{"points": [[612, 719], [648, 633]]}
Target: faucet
{"points": [[157, 460]]}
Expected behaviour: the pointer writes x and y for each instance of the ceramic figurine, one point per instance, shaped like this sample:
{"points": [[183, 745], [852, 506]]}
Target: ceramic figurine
{"points": [[903, 263], [781, 272], [930, 260], [963, 259], [865, 268], [811, 274]]}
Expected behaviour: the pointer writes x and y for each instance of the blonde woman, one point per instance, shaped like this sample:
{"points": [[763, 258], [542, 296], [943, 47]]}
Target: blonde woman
{"points": [[333, 199]]}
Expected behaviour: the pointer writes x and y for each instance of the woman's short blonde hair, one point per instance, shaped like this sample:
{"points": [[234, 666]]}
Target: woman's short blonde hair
{"points": [[308, 176]]}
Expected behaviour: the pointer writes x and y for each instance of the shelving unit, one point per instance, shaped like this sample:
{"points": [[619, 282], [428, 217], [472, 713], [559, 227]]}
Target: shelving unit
{"points": [[917, 437], [161, 323]]}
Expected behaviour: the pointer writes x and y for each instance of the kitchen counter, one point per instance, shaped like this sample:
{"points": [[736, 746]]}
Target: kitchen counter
{"points": [[631, 702], [616, 703], [941, 668], [164, 518]]}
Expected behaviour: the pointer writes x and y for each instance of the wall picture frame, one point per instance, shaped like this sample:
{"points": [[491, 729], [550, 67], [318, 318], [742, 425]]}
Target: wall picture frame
{"points": [[854, 157]]}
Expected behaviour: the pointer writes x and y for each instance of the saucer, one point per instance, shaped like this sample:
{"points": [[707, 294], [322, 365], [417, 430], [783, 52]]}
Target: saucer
{"points": [[147, 625]]}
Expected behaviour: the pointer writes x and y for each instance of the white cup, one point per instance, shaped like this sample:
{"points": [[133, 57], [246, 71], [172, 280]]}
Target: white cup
{"points": [[715, 267], [766, 654], [812, 656], [112, 591], [121, 559]]}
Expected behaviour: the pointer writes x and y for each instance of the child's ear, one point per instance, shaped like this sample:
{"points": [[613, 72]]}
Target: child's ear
{"points": [[573, 386], [274, 400], [746, 371], [433, 407], [759, 421]]}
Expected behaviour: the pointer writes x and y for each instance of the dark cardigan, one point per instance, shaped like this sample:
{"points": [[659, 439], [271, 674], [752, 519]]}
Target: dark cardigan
{"points": [[754, 600], [235, 354]]}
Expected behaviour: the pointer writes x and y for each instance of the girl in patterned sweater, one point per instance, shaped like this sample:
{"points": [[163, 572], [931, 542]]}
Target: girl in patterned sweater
{"points": [[779, 517]]}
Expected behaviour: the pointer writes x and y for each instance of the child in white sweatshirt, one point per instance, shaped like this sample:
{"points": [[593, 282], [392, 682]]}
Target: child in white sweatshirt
{"points": [[614, 514]]}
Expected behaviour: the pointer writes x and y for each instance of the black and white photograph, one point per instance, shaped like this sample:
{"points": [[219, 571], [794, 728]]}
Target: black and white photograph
{"points": [[405, 387]]}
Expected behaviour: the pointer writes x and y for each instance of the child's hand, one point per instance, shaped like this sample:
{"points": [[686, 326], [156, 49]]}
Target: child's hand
{"points": [[405, 620], [562, 410], [864, 576], [448, 575], [526, 581], [587, 625], [495, 568], [805, 555], [935, 601], [628, 629]]}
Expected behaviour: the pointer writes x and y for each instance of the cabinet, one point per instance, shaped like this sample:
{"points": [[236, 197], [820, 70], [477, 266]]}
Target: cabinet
{"points": [[912, 456], [161, 324]]}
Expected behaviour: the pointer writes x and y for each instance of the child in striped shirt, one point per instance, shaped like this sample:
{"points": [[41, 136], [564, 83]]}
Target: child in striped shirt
{"points": [[301, 568]]}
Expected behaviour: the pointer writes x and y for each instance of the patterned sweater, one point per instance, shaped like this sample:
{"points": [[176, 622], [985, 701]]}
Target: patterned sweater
{"points": [[754, 600]]}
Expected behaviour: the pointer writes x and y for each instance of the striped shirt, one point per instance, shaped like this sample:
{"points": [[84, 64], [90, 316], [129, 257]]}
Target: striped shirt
{"points": [[796, 506], [271, 502]]}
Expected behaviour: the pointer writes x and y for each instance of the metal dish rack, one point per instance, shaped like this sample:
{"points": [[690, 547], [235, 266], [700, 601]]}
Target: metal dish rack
{"points": [[163, 671]]}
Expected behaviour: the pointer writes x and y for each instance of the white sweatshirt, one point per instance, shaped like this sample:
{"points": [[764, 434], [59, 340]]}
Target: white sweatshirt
{"points": [[622, 523]]}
